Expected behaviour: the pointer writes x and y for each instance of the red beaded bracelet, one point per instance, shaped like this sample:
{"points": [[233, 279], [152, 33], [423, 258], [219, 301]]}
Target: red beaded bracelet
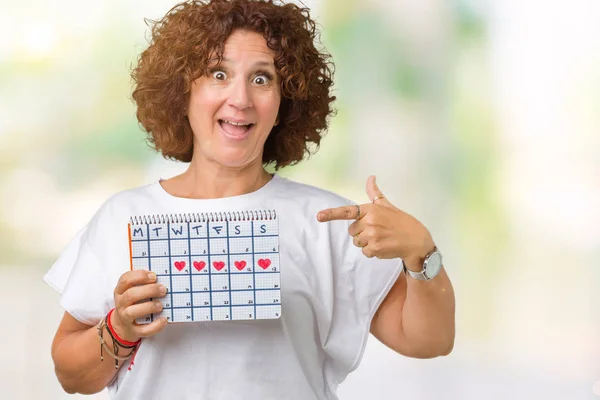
{"points": [[122, 342]]}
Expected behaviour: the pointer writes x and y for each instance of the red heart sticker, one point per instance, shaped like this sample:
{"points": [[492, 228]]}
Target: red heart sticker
{"points": [[199, 265], [219, 265], [240, 265], [179, 265], [264, 263]]}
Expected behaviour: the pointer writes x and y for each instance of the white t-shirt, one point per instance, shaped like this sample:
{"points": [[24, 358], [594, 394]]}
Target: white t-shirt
{"points": [[329, 294]]}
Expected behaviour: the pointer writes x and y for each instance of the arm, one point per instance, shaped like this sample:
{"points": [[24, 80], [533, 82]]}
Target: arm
{"points": [[76, 356], [76, 346], [416, 319]]}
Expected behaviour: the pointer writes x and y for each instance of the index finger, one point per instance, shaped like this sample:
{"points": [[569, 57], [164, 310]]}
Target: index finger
{"points": [[134, 278], [340, 213]]}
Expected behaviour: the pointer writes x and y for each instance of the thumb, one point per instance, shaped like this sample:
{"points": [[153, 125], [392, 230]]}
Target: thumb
{"points": [[373, 192]]}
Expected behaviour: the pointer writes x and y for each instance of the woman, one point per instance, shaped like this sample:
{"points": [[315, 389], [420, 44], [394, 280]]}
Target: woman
{"points": [[231, 86]]}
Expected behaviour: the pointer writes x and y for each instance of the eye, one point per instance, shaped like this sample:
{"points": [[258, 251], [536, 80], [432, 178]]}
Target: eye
{"points": [[262, 79], [219, 75]]}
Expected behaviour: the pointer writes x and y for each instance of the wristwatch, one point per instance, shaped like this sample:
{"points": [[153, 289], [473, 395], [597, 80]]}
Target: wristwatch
{"points": [[431, 266]]}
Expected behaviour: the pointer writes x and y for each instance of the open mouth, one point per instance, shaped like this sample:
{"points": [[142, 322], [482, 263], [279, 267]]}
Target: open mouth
{"points": [[235, 129]]}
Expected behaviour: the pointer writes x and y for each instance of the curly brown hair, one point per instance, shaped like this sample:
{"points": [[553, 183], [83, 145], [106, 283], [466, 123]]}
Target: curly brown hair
{"points": [[192, 32]]}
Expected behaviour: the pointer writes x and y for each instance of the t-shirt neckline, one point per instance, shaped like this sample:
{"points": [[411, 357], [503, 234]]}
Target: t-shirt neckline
{"points": [[242, 200]]}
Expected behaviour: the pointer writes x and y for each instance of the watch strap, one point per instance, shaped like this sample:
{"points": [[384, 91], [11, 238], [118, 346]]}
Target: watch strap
{"points": [[415, 275], [421, 275]]}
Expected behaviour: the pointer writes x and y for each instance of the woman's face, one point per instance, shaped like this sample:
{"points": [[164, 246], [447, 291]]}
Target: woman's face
{"points": [[233, 109]]}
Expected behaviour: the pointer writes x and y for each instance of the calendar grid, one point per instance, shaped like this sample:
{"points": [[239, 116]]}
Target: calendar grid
{"points": [[253, 269], [223, 291], [220, 267], [190, 268], [170, 267], [229, 273], [230, 306], [237, 273], [233, 254], [239, 237], [209, 270], [149, 259]]}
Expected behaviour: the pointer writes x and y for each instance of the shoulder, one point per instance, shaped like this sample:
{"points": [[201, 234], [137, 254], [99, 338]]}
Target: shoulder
{"points": [[129, 195], [299, 203], [125, 199], [303, 192], [115, 212]]}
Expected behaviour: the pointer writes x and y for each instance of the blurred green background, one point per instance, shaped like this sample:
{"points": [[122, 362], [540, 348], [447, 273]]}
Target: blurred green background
{"points": [[480, 118]]}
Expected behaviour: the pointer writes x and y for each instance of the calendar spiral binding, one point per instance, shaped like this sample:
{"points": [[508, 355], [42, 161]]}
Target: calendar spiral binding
{"points": [[234, 216]]}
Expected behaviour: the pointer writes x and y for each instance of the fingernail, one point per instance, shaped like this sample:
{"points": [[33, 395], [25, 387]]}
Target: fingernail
{"points": [[163, 290], [151, 276], [158, 305], [320, 216]]}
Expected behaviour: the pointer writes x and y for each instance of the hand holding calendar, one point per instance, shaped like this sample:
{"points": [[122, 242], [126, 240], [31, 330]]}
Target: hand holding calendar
{"points": [[131, 294]]}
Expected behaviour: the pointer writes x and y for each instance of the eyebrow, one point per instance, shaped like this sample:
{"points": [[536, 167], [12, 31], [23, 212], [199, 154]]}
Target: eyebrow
{"points": [[256, 64]]}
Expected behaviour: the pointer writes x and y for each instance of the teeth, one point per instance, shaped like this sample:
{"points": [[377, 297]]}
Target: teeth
{"points": [[234, 123]]}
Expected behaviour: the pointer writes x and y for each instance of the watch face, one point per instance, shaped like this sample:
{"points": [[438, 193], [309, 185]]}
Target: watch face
{"points": [[434, 264]]}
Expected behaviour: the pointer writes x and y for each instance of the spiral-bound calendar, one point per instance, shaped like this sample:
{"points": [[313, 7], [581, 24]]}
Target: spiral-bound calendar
{"points": [[216, 266]]}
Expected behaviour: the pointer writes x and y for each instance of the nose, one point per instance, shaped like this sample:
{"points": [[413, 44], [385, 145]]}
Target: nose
{"points": [[240, 96]]}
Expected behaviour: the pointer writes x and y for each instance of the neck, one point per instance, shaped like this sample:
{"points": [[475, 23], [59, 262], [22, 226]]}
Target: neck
{"points": [[206, 180]]}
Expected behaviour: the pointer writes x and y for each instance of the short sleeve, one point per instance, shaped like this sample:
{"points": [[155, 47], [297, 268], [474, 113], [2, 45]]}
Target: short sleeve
{"points": [[80, 278], [58, 275], [360, 285]]}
